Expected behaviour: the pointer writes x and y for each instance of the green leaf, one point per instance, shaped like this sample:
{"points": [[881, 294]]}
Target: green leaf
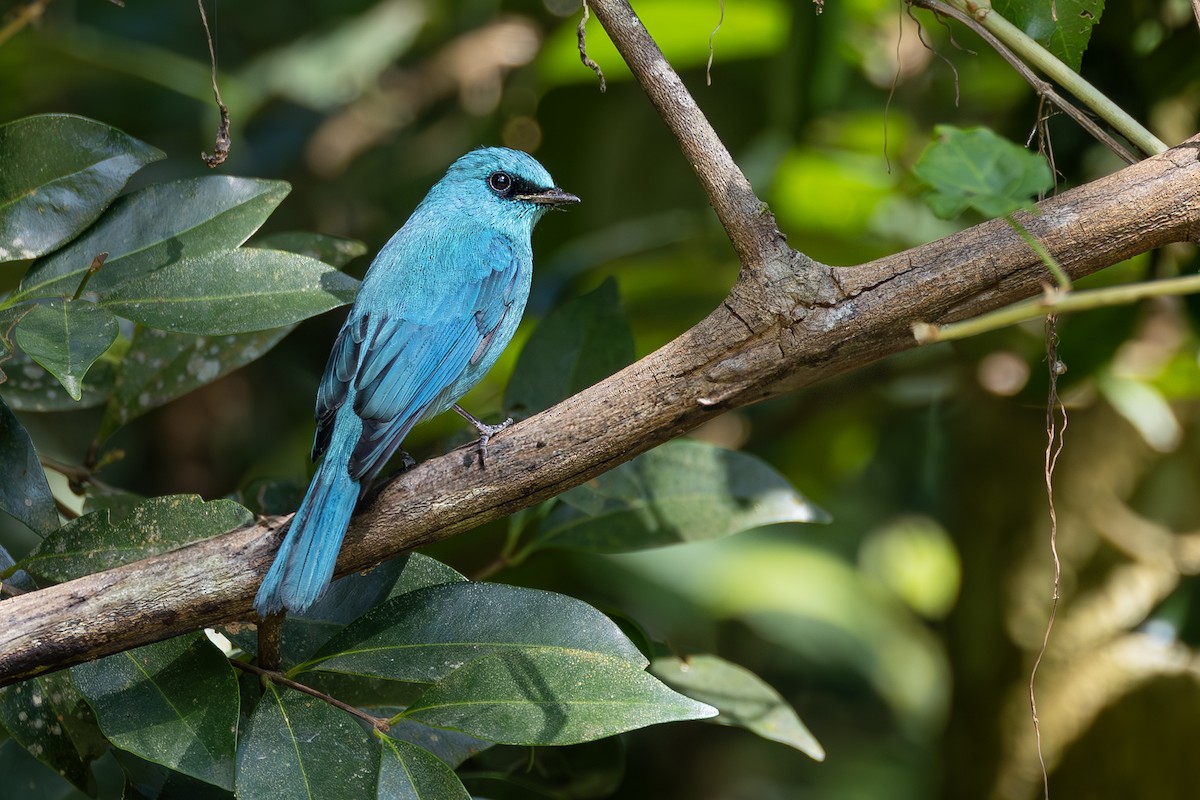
{"points": [[297, 746], [156, 226], [37, 781], [160, 366], [422, 635], [57, 173], [235, 292], [48, 717], [744, 699], [95, 542], [24, 491], [682, 491], [450, 747], [66, 337], [332, 250], [579, 343], [551, 696], [1063, 27], [408, 772], [30, 387], [977, 169], [174, 703]]}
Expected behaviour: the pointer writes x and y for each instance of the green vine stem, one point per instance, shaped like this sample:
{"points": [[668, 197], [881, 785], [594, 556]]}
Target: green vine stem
{"points": [[1038, 56]]}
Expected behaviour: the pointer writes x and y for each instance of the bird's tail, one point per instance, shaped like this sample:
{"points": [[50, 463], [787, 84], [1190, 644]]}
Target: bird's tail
{"points": [[304, 564]]}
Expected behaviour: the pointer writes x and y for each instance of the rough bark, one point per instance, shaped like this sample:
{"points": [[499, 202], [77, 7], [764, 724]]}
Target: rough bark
{"points": [[788, 322]]}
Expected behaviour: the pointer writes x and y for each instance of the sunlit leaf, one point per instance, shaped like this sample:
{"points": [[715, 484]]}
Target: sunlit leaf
{"points": [[1063, 27], [551, 696], [297, 746], [683, 491], [174, 703], [57, 173], [156, 226], [408, 772], [422, 635], [977, 169], [236, 292], [95, 542], [744, 699], [24, 491], [66, 337]]}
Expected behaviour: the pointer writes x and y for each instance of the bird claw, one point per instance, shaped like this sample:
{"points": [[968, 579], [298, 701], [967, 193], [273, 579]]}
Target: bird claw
{"points": [[486, 431]]}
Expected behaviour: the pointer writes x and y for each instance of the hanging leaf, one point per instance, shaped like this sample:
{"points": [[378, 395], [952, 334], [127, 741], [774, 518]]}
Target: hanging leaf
{"points": [[57, 173], [236, 292], [66, 337], [94, 542], [156, 226], [977, 169], [551, 696], [174, 703], [683, 491], [24, 491]]}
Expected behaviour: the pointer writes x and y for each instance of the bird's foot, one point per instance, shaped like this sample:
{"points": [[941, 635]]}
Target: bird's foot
{"points": [[486, 431]]}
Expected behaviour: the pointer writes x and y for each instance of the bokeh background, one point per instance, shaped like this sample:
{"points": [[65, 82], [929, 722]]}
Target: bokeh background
{"points": [[904, 631]]}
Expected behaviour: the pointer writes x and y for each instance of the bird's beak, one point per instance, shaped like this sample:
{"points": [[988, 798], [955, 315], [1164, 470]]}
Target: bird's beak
{"points": [[550, 197]]}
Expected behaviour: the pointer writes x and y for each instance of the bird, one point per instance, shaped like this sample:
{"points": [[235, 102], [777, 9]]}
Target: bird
{"points": [[437, 306]]}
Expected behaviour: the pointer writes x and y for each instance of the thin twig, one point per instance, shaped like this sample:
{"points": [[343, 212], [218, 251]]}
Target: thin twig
{"points": [[581, 32], [1040, 86], [77, 477], [711, 36], [377, 723], [26, 15], [222, 143], [1196, 10]]}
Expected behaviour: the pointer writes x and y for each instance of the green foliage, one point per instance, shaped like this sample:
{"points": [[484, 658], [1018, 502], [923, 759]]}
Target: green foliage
{"points": [[24, 492], [1063, 27], [979, 170], [66, 337]]}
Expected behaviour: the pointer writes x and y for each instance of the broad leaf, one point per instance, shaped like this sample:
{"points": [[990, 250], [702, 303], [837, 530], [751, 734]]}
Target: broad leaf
{"points": [[24, 491], [235, 292], [683, 491], [450, 747], [1063, 27], [297, 746], [95, 542], [37, 780], [48, 717], [174, 703], [57, 173], [156, 226], [407, 772], [160, 366], [333, 250], [66, 337], [977, 169], [578, 344], [422, 635], [744, 699], [551, 696], [30, 387]]}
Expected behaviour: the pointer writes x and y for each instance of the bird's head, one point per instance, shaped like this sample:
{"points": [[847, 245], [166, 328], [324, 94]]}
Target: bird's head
{"points": [[503, 187]]}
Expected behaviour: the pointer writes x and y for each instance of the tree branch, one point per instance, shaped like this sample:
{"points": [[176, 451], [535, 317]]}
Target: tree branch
{"points": [[787, 323]]}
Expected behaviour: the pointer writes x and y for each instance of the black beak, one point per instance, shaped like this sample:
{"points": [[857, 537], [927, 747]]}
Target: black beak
{"points": [[553, 196]]}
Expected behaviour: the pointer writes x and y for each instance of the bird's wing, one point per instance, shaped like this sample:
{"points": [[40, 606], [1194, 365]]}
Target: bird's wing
{"points": [[401, 366]]}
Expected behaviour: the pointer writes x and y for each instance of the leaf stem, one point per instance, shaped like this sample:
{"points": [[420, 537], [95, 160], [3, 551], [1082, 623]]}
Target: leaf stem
{"points": [[377, 723], [1059, 302]]}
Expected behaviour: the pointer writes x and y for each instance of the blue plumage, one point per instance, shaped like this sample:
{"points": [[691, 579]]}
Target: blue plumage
{"points": [[436, 308]]}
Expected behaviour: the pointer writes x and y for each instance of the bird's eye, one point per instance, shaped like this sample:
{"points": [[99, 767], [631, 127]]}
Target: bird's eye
{"points": [[501, 183]]}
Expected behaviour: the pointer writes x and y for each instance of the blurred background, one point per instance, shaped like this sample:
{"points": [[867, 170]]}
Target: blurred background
{"points": [[904, 631]]}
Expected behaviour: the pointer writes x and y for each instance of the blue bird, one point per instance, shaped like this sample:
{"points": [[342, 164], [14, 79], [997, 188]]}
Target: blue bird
{"points": [[434, 311]]}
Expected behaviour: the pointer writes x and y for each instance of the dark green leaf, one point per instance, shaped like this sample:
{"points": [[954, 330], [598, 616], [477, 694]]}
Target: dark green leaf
{"points": [[977, 169], [29, 387], [683, 491], [57, 173], [1063, 27], [36, 780], [451, 747], [48, 717], [24, 491], [744, 699], [297, 746], [156, 226], [160, 366], [551, 696], [174, 703], [236, 292], [407, 772], [422, 635], [581, 342], [66, 337], [94, 542], [333, 250]]}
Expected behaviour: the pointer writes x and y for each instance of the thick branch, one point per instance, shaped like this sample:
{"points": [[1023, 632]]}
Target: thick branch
{"points": [[786, 324]]}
